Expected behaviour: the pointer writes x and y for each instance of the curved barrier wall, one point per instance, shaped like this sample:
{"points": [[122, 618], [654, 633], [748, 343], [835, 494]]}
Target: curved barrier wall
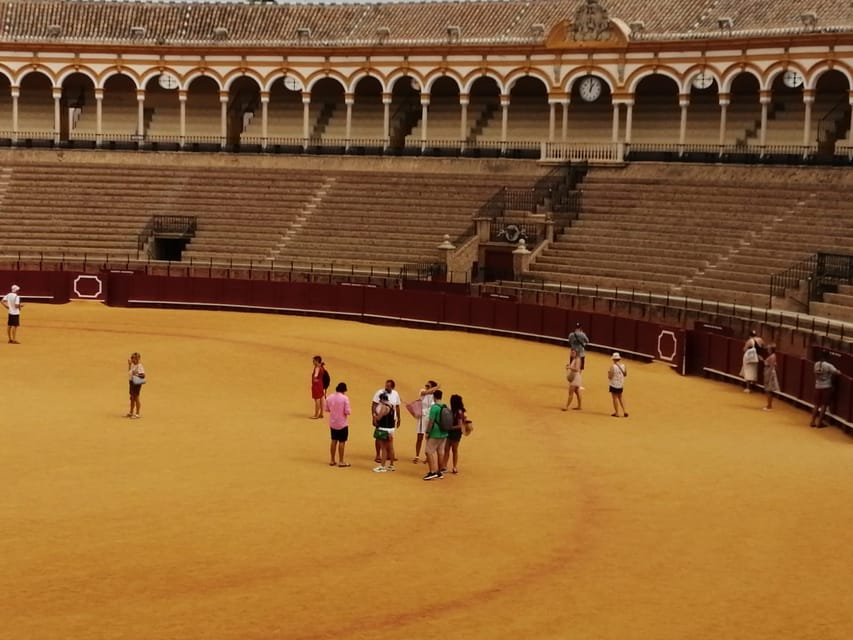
{"points": [[695, 351]]}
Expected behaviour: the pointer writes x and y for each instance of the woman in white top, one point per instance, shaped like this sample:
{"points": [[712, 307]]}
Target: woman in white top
{"points": [[573, 375], [616, 375], [135, 378]]}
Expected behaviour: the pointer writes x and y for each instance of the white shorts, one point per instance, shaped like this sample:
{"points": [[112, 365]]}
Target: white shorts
{"points": [[422, 423]]}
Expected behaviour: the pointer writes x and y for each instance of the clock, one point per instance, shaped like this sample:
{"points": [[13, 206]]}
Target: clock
{"points": [[792, 79], [590, 88], [167, 81], [702, 80], [292, 83]]}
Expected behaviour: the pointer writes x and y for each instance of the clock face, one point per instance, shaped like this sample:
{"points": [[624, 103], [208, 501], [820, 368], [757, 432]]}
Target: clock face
{"points": [[792, 79], [168, 81], [702, 80], [292, 83], [590, 88]]}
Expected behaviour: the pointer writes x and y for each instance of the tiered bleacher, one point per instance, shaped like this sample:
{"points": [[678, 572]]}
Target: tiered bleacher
{"points": [[713, 232]]}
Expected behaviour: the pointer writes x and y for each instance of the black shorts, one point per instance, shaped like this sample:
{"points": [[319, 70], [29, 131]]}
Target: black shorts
{"points": [[340, 435], [615, 391], [134, 388], [454, 435], [14, 320]]}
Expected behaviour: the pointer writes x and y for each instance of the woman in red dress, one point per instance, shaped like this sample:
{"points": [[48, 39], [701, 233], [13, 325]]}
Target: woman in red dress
{"points": [[317, 390]]}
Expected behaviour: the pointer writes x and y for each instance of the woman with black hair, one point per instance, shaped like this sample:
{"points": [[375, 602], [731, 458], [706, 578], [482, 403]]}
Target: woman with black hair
{"points": [[454, 436]]}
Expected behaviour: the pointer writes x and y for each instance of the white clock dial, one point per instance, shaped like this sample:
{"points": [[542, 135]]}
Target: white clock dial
{"points": [[702, 80], [167, 81], [292, 83], [590, 88], [792, 79]]}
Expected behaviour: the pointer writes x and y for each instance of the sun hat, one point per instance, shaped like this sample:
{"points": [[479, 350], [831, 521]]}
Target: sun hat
{"points": [[616, 356]]}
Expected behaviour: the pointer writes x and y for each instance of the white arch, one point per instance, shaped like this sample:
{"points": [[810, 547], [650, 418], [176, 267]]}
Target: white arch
{"points": [[642, 74], [434, 76], [729, 75]]}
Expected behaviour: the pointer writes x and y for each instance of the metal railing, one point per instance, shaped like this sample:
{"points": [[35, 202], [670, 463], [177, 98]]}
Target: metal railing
{"points": [[390, 276], [817, 274]]}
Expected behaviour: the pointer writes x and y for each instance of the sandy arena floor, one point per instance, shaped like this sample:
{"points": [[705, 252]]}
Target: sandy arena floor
{"points": [[216, 515]]}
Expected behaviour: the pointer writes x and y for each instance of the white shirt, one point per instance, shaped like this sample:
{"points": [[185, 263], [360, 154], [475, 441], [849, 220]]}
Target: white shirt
{"points": [[393, 397], [13, 300], [617, 380]]}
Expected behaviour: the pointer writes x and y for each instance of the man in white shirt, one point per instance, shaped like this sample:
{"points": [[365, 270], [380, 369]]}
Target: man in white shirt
{"points": [[824, 377], [12, 302], [394, 401]]}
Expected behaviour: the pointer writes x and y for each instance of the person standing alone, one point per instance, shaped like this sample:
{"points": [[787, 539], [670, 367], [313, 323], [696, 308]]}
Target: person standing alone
{"points": [[12, 302], [824, 377], [616, 375]]}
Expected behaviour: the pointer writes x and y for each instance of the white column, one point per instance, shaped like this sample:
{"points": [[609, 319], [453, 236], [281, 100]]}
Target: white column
{"points": [[552, 120], [808, 102], [140, 112], [424, 116], [223, 118], [765, 103], [386, 118], [504, 120], [850, 130], [629, 121], [16, 92], [99, 117], [683, 102], [566, 104], [182, 102], [265, 114], [464, 100], [349, 101], [615, 134], [57, 115], [724, 108], [306, 115]]}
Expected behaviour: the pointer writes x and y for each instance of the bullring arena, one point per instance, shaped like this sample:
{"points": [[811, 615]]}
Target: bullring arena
{"points": [[425, 190], [215, 514]]}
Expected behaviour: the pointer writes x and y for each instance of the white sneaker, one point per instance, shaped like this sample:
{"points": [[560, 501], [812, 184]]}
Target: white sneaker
{"points": [[379, 469]]}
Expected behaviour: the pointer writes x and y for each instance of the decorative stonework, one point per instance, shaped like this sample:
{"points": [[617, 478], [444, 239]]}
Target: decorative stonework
{"points": [[591, 23]]}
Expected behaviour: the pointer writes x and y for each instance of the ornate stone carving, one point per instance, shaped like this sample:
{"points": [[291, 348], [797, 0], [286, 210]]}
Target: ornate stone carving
{"points": [[591, 23]]}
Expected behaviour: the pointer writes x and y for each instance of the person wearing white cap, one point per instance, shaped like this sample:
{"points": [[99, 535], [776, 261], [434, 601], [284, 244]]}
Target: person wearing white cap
{"points": [[616, 375], [12, 302]]}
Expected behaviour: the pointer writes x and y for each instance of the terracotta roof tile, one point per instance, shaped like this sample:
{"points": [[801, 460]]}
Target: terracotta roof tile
{"points": [[411, 23]]}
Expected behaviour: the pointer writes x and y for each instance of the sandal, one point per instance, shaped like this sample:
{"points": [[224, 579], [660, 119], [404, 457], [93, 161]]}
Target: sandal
{"points": [[344, 464], [333, 464]]}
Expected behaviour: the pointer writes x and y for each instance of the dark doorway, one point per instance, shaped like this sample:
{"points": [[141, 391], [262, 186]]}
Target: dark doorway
{"points": [[169, 248]]}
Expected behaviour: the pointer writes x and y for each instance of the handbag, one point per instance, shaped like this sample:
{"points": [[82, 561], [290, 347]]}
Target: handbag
{"points": [[750, 356], [138, 380], [572, 375], [467, 428], [415, 407]]}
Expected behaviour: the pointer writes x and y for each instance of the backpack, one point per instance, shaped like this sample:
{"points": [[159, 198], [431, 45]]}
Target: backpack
{"points": [[445, 419], [327, 379]]}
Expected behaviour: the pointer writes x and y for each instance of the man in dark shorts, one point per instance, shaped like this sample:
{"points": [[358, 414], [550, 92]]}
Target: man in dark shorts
{"points": [[12, 302], [339, 411], [578, 341], [824, 377]]}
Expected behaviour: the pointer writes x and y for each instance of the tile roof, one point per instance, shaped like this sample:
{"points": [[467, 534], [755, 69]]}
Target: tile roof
{"points": [[407, 23]]}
